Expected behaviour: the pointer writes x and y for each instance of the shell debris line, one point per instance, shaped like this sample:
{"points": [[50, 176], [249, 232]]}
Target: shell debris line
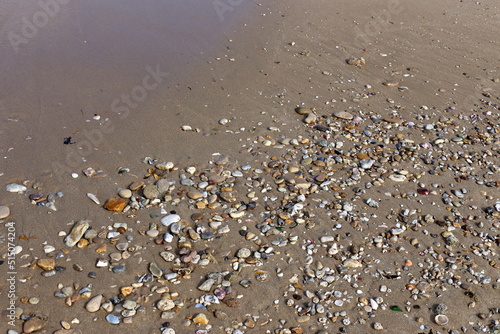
{"points": [[324, 217], [333, 218]]}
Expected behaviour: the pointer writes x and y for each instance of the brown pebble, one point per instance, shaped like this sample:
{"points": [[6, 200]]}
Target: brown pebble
{"points": [[115, 204]]}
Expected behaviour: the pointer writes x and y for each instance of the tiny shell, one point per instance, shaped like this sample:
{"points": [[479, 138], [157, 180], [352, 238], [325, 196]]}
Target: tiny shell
{"points": [[441, 319]]}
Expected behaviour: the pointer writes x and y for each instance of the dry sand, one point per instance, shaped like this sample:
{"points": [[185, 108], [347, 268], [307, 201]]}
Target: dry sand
{"points": [[254, 68]]}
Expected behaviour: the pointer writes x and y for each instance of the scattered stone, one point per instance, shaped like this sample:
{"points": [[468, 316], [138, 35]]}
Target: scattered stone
{"points": [[94, 304], [4, 212], [76, 232], [115, 204]]}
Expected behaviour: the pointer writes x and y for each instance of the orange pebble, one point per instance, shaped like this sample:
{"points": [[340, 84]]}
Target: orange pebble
{"points": [[408, 263]]}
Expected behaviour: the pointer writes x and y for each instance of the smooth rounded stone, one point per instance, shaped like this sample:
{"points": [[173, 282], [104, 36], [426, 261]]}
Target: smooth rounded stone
{"points": [[343, 115], [187, 182], [165, 165], [129, 305], [366, 163], [34, 300], [326, 239], [152, 233], [200, 318], [194, 195], [167, 331], [136, 185], [207, 235], [244, 253], [391, 83], [15, 188], [311, 118], [113, 319], [165, 304], [397, 177], [215, 179], [303, 111], [203, 185], [94, 304], [68, 331], [4, 212], [378, 326], [77, 232], [151, 191], [237, 173], [222, 160], [46, 264], [118, 269], [197, 216], [34, 324], [169, 219], [125, 193], [228, 196]]}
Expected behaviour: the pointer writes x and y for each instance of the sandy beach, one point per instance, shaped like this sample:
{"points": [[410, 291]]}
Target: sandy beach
{"points": [[250, 167]]}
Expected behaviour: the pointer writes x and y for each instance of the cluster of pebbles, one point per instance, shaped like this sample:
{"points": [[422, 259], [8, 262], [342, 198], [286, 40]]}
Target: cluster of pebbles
{"points": [[352, 210]]}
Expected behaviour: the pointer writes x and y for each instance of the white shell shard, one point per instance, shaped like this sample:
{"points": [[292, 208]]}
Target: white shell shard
{"points": [[169, 219], [93, 198]]}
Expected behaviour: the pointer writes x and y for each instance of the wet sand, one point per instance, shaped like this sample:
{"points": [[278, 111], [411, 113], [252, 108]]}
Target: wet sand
{"points": [[253, 68]]}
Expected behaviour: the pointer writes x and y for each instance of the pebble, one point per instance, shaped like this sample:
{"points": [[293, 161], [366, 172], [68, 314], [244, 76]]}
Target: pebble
{"points": [[303, 111], [200, 318], [169, 219], [4, 212], [115, 204], [343, 115], [46, 264], [94, 304], [76, 233], [113, 319]]}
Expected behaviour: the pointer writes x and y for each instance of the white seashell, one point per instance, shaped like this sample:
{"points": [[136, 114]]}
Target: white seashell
{"points": [[441, 319], [15, 188], [373, 304], [93, 198], [48, 249]]}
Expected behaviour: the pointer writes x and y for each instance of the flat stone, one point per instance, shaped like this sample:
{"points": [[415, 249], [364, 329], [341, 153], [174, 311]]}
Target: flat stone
{"points": [[113, 319], [194, 195], [165, 304], [76, 233], [214, 179], [136, 185], [169, 219], [303, 111], [33, 324], [197, 216], [94, 304], [391, 83], [343, 115], [46, 264], [125, 193], [151, 191], [115, 204], [163, 185], [4, 212]]}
